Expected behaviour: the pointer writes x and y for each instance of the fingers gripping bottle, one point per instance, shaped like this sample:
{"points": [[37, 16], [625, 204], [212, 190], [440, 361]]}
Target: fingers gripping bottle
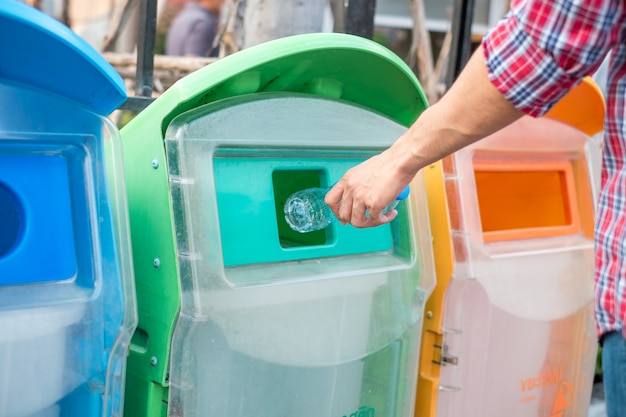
{"points": [[306, 211]]}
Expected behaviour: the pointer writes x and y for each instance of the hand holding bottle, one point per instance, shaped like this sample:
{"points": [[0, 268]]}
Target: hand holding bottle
{"points": [[368, 187], [306, 210]]}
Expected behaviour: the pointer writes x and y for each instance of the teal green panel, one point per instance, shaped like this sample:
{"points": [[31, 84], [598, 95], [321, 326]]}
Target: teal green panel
{"points": [[250, 196]]}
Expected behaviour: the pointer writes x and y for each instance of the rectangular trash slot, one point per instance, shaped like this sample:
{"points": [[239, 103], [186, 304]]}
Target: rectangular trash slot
{"points": [[525, 200], [36, 225], [285, 183], [251, 186]]}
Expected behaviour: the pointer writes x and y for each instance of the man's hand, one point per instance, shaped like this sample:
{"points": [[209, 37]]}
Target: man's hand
{"points": [[360, 197]]}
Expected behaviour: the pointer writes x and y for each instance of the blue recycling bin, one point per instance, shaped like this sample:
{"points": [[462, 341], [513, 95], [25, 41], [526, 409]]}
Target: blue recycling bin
{"points": [[67, 307]]}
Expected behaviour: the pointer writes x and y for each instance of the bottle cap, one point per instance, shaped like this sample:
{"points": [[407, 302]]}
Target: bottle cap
{"points": [[404, 194]]}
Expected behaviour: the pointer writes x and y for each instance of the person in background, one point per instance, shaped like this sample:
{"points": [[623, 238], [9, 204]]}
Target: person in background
{"points": [[524, 65], [193, 30]]}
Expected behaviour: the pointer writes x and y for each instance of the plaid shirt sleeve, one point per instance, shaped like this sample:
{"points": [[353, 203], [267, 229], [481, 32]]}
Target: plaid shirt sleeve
{"points": [[541, 49]]}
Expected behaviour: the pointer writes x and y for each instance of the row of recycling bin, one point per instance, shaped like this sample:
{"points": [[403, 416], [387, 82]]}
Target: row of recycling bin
{"points": [[150, 272]]}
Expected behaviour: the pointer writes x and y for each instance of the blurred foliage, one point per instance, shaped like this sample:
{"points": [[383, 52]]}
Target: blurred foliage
{"points": [[125, 117]]}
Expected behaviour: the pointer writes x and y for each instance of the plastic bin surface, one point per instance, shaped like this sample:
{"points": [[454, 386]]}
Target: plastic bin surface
{"points": [[518, 329], [326, 327], [241, 314], [73, 69], [66, 295]]}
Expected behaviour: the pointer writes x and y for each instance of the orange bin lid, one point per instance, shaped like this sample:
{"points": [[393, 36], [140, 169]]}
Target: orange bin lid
{"points": [[582, 108]]}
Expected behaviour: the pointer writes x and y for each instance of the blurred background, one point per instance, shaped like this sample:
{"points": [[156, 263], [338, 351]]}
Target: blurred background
{"points": [[420, 31]]}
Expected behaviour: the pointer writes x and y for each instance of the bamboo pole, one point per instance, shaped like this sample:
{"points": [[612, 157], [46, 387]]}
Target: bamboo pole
{"points": [[420, 57]]}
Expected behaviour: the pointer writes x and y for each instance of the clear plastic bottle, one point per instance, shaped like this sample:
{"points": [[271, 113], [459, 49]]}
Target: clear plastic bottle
{"points": [[306, 211]]}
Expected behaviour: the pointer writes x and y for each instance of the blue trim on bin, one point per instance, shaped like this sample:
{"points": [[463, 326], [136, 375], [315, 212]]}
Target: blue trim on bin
{"points": [[38, 50]]}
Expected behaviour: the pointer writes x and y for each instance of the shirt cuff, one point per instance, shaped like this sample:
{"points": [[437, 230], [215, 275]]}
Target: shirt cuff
{"points": [[525, 74]]}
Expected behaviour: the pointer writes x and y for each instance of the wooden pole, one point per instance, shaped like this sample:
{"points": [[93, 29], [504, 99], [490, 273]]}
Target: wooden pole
{"points": [[250, 22], [421, 54]]}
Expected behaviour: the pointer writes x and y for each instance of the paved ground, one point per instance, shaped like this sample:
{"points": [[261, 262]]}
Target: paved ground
{"points": [[596, 408]]}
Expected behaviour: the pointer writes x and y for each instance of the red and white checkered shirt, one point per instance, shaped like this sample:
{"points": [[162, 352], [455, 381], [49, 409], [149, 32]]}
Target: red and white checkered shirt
{"points": [[535, 54]]}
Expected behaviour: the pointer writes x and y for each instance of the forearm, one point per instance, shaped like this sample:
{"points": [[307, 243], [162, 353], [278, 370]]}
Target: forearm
{"points": [[471, 110]]}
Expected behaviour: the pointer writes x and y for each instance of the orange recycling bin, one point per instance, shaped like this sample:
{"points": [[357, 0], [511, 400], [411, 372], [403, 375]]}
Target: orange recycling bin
{"points": [[509, 329]]}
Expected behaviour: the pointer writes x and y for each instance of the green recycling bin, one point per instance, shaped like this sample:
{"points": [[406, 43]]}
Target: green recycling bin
{"points": [[239, 314]]}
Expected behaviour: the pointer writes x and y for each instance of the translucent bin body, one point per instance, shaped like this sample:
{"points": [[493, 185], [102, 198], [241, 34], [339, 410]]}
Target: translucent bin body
{"points": [[66, 295], [518, 332], [33, 356], [278, 324]]}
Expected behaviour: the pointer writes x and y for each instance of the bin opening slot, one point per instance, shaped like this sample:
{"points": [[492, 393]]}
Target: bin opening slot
{"points": [[36, 219], [11, 219], [285, 183], [526, 200]]}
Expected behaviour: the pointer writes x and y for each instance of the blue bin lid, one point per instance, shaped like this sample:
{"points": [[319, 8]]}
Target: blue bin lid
{"points": [[38, 50]]}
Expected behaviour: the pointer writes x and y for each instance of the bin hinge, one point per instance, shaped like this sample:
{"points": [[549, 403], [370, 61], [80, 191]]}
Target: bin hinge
{"points": [[444, 358]]}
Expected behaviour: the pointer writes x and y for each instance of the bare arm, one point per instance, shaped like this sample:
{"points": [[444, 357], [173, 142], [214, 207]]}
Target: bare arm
{"points": [[471, 110]]}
